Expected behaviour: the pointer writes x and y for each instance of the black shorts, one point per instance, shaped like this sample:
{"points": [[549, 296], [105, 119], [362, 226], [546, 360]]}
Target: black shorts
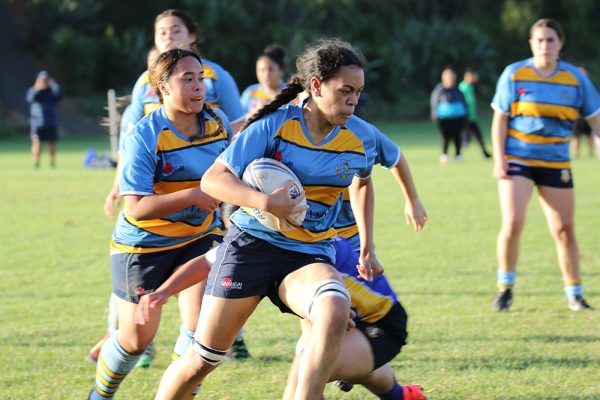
{"points": [[386, 336], [136, 274], [45, 133], [582, 128], [551, 177], [248, 266]]}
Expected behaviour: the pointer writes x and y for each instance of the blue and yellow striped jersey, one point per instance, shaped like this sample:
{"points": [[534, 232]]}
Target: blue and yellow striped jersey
{"points": [[156, 159], [388, 155], [254, 96], [371, 300], [221, 92], [543, 111], [325, 170]]}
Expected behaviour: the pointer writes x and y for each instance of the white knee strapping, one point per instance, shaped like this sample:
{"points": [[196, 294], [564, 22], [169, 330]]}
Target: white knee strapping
{"points": [[208, 355], [324, 288]]}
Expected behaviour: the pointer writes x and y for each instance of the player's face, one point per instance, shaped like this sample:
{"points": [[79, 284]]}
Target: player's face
{"points": [[170, 32], [338, 97], [448, 78], [185, 90], [545, 46], [268, 72]]}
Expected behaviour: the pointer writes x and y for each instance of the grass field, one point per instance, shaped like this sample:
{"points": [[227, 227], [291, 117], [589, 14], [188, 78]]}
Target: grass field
{"points": [[55, 281]]}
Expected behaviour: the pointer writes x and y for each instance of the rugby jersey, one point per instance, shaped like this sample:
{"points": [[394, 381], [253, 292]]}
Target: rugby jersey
{"points": [[221, 91], [325, 170], [543, 111], [157, 159], [254, 96], [447, 103], [371, 300], [388, 155]]}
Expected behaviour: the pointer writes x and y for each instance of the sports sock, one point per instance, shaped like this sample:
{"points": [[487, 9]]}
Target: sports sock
{"points": [[182, 343], [573, 289], [395, 394], [114, 363], [506, 279]]}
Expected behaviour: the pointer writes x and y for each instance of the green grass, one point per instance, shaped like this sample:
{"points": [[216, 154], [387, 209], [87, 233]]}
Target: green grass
{"points": [[55, 282]]}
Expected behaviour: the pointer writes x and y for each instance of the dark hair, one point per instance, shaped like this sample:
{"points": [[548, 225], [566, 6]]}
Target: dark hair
{"points": [[161, 70], [323, 60], [187, 19], [548, 23], [275, 53]]}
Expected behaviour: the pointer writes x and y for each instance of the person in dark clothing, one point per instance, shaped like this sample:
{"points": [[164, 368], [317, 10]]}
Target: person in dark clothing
{"points": [[449, 111], [43, 96]]}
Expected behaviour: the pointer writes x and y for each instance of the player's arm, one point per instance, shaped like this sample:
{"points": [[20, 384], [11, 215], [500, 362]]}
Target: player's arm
{"points": [[413, 210], [154, 206], [594, 123], [192, 272], [499, 133]]}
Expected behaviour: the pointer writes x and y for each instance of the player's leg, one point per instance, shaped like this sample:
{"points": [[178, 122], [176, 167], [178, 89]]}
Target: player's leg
{"points": [[476, 131], [514, 194], [36, 149], [292, 380], [52, 151], [316, 292]]}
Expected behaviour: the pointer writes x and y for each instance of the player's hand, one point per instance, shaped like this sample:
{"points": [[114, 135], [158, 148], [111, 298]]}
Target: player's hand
{"points": [[112, 203], [351, 323], [148, 303], [204, 201], [283, 207], [368, 266], [500, 170], [415, 214]]}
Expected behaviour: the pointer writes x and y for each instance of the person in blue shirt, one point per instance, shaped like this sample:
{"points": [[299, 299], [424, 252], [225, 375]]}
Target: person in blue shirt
{"points": [[328, 149], [42, 97], [449, 112], [167, 219], [536, 105]]}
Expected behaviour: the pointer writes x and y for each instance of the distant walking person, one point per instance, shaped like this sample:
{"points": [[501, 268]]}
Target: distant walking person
{"points": [[449, 112], [43, 96], [467, 87], [536, 105]]}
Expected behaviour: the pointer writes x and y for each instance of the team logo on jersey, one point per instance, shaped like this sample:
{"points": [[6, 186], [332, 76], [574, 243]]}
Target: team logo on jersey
{"points": [[229, 284], [522, 91], [343, 169], [565, 96], [168, 168], [373, 332], [565, 175]]}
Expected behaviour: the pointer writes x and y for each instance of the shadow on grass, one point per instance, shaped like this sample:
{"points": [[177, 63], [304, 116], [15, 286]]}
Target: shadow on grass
{"points": [[564, 339]]}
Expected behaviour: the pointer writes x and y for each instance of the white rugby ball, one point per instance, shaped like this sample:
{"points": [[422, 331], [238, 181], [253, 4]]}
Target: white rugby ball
{"points": [[266, 175]]}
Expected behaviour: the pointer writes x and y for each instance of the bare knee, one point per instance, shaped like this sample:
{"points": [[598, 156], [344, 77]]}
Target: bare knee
{"points": [[564, 232], [512, 227], [134, 344]]}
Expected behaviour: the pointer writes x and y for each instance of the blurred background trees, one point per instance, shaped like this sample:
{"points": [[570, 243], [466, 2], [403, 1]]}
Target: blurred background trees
{"points": [[93, 45]]}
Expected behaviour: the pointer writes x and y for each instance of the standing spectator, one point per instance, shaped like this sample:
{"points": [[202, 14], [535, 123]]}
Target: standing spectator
{"points": [[449, 112], [467, 87], [43, 96]]}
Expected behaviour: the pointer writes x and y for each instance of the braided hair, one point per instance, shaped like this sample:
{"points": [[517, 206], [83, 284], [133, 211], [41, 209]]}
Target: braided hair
{"points": [[323, 60]]}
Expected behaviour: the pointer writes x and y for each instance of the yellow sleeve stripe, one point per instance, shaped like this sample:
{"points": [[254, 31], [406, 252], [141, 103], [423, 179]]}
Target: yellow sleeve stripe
{"points": [[537, 139], [145, 77], [348, 231], [164, 187], [346, 141], [540, 163], [107, 371], [171, 229], [168, 141], [370, 305], [544, 110], [123, 248], [561, 77], [323, 194], [150, 107]]}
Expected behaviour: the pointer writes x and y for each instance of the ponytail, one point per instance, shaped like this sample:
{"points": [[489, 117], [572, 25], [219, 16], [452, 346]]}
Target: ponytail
{"points": [[221, 127], [287, 94]]}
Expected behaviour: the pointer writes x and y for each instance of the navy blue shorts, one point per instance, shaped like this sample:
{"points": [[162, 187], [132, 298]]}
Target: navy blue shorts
{"points": [[551, 177], [248, 266], [386, 336], [47, 133], [134, 275]]}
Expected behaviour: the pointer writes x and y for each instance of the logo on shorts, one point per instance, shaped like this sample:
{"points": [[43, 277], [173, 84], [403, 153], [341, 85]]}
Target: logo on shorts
{"points": [[140, 291], [565, 175], [228, 284], [514, 168], [373, 332]]}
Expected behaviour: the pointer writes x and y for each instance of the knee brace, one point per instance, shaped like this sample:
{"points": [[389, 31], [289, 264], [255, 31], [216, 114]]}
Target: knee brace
{"points": [[324, 288], [208, 355]]}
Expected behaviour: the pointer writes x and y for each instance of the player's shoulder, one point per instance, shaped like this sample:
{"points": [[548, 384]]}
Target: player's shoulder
{"points": [[252, 88], [511, 69]]}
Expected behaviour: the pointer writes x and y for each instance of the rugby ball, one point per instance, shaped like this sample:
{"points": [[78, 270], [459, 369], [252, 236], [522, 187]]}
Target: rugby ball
{"points": [[266, 175]]}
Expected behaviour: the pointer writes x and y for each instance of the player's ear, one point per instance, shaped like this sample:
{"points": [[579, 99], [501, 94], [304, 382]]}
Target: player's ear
{"points": [[315, 86], [162, 87]]}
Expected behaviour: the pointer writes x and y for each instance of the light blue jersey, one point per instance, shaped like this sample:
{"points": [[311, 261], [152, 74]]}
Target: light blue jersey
{"points": [[388, 155], [157, 159], [543, 111], [221, 92], [325, 170], [254, 97]]}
